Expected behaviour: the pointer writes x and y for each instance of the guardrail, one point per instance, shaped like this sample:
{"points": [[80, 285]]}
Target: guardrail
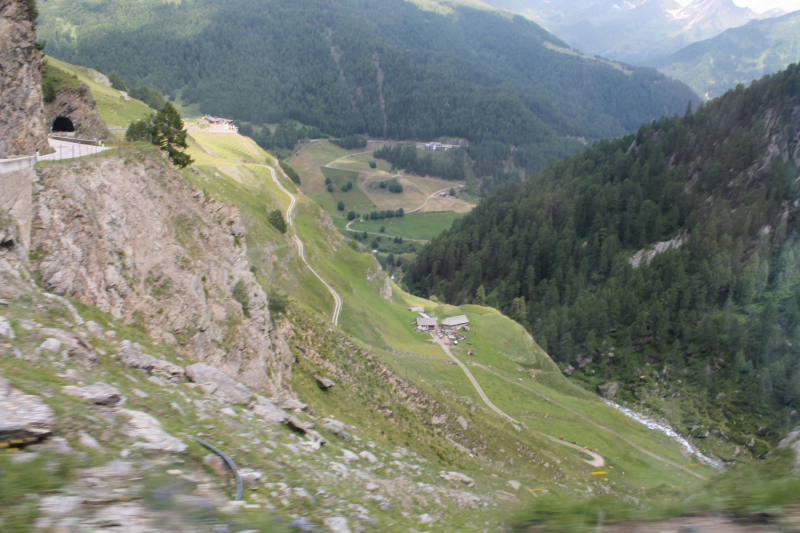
{"points": [[17, 163], [74, 140]]}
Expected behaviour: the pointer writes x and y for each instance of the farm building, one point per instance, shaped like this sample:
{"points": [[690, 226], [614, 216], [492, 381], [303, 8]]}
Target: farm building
{"points": [[426, 324], [221, 124], [436, 147], [455, 323]]}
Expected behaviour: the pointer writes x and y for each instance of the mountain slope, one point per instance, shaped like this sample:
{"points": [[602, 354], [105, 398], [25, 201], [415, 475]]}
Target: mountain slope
{"points": [[710, 202], [738, 55], [636, 30], [386, 69]]}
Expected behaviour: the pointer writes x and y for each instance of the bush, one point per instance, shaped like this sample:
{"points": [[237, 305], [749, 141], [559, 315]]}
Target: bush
{"points": [[137, 131], [116, 81], [328, 181], [400, 212], [289, 171], [383, 229], [373, 164], [340, 206], [353, 244], [374, 244], [275, 218], [241, 296], [351, 215], [152, 97], [452, 191], [330, 187], [278, 302]]}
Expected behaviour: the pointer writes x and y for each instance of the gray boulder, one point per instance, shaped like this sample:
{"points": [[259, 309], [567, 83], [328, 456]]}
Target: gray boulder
{"points": [[130, 356], [338, 431], [5, 328], [269, 411], [23, 417], [324, 383], [298, 425], [143, 426], [217, 384], [568, 371], [608, 390], [99, 393], [77, 347]]}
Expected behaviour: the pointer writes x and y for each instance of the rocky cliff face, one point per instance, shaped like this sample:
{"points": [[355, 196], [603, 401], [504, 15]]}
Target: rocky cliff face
{"points": [[129, 236], [22, 128], [79, 106]]}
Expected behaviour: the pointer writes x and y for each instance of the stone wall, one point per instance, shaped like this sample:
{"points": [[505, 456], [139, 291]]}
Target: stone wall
{"points": [[15, 201], [22, 127]]}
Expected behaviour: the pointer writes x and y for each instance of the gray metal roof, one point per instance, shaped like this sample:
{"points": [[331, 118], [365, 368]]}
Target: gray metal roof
{"points": [[426, 321], [455, 320]]}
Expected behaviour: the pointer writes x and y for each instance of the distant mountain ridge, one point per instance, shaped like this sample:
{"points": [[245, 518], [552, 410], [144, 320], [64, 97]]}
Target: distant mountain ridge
{"points": [[633, 30], [738, 55]]}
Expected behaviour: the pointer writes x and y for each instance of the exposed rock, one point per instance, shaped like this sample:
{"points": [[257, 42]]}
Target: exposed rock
{"points": [[386, 290], [50, 345], [348, 456], [644, 256], [130, 356], [227, 411], [296, 424], [324, 383], [113, 237], [250, 476], [372, 487], [514, 484], [23, 416], [5, 328], [77, 347], [294, 405], [99, 393], [98, 77], [337, 524], [568, 371], [608, 390], [129, 517], [583, 361], [215, 463], [143, 426], [269, 411], [88, 441], [463, 422], [218, 384], [438, 420], [369, 456], [457, 476], [22, 127], [94, 328], [77, 104], [337, 430]]}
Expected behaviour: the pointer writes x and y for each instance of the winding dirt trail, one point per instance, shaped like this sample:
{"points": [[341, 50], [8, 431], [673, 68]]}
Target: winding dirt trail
{"points": [[596, 459], [337, 300], [595, 424]]}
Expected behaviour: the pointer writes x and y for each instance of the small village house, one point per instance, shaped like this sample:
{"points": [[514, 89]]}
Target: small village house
{"points": [[426, 324], [454, 323]]}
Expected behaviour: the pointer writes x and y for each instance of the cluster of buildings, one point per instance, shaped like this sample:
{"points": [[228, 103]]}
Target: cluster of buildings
{"points": [[220, 125], [437, 147], [449, 325]]}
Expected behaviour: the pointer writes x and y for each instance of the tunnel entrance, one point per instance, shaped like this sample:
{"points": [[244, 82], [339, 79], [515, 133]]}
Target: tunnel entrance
{"points": [[63, 124]]}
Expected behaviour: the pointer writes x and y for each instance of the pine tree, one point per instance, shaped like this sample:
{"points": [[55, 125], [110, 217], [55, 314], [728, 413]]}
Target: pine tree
{"points": [[480, 296], [169, 135]]}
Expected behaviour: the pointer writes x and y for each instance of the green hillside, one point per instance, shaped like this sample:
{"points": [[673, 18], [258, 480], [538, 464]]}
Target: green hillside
{"points": [[738, 55], [707, 333], [383, 68]]}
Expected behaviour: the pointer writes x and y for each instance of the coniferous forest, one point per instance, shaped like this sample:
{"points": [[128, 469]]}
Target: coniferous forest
{"points": [[383, 69], [719, 315]]}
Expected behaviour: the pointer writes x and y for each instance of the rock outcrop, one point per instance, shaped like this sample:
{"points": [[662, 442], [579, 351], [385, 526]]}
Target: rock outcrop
{"points": [[133, 239], [22, 126], [79, 106], [23, 417], [217, 384]]}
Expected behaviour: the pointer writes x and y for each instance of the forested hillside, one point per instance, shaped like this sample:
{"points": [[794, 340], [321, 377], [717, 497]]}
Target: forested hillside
{"points": [[738, 55], [717, 319], [382, 68]]}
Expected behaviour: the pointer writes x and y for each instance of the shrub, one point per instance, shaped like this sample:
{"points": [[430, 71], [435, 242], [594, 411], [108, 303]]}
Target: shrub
{"points": [[351, 215], [353, 244], [275, 218], [278, 302], [330, 187], [241, 296], [137, 131], [383, 229], [289, 171], [340, 206], [373, 164]]}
